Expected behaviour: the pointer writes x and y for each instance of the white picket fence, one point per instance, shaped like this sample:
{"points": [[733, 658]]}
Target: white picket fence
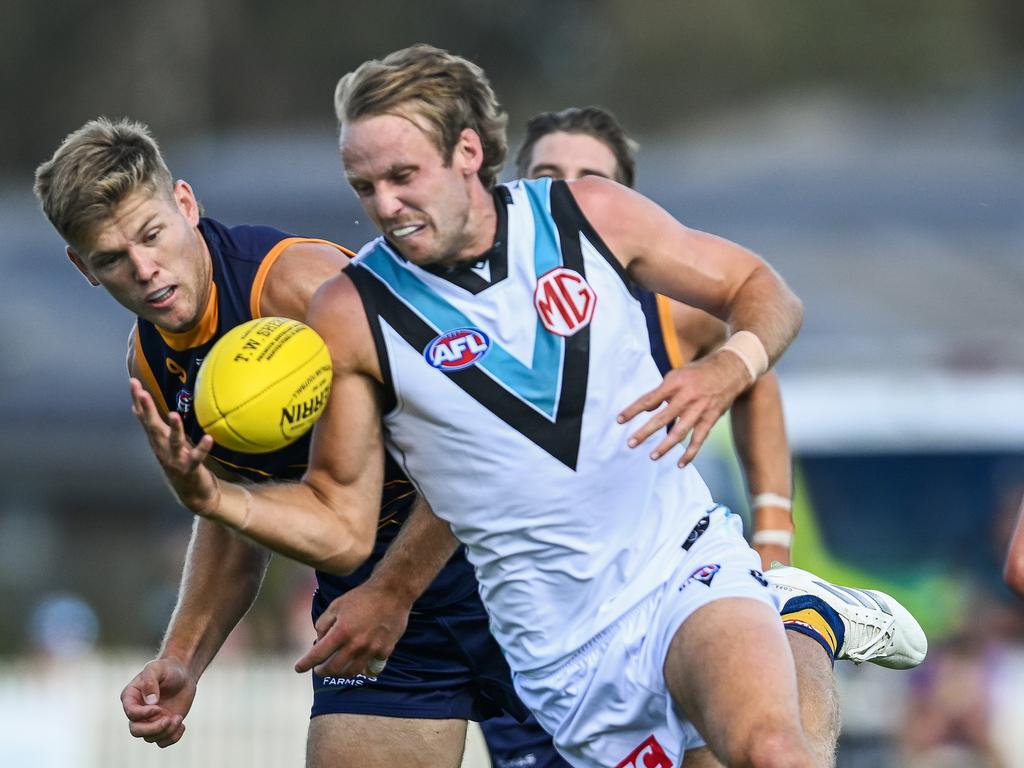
{"points": [[249, 713]]}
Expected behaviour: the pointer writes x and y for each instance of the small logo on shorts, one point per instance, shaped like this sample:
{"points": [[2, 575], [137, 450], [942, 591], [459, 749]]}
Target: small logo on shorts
{"points": [[697, 532], [648, 755], [704, 574], [457, 349], [348, 682], [759, 577]]}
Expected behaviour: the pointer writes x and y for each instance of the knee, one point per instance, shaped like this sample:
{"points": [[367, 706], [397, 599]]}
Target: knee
{"points": [[773, 747]]}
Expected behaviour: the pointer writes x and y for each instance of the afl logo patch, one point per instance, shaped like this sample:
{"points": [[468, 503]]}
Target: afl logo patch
{"points": [[564, 301], [457, 349]]}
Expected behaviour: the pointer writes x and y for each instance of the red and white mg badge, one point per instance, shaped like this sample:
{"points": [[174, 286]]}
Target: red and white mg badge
{"points": [[564, 301], [648, 755]]}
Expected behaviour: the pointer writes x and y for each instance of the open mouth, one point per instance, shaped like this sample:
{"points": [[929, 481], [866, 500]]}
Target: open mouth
{"points": [[399, 233], [162, 297]]}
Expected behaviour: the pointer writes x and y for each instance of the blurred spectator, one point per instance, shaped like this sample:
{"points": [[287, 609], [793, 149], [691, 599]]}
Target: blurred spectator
{"points": [[63, 626], [950, 708], [958, 705]]}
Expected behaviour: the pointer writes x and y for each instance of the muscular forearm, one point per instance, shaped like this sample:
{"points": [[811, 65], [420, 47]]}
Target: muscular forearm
{"points": [[220, 581], [416, 556], [331, 533], [759, 432], [764, 306]]}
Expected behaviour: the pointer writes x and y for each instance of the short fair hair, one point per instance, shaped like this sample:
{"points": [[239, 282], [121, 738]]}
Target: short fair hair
{"points": [[591, 121], [96, 168], [448, 92]]}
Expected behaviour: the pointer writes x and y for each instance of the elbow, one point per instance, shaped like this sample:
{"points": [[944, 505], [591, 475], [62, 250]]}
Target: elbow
{"points": [[343, 561]]}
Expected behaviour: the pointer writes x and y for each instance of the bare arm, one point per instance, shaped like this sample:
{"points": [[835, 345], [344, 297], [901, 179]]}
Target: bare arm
{"points": [[366, 623], [707, 272], [220, 580], [759, 432], [296, 275], [328, 519]]}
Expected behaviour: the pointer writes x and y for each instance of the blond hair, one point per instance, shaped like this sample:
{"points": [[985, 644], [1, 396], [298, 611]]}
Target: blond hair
{"points": [[448, 92], [96, 168]]}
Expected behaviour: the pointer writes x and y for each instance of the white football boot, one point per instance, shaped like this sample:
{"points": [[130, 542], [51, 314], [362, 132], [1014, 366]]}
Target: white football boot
{"points": [[878, 628]]}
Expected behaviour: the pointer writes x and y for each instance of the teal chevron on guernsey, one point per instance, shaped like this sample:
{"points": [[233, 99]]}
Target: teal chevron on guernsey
{"points": [[536, 384]]}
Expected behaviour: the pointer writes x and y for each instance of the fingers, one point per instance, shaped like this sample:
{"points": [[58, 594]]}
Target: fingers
{"points": [[143, 407], [174, 738], [697, 438], [163, 730], [326, 620], [323, 647], [647, 402], [140, 697], [315, 656]]}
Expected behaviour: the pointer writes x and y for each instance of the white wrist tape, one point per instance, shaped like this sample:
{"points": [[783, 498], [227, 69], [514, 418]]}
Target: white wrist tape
{"points": [[777, 537], [748, 348], [770, 500]]}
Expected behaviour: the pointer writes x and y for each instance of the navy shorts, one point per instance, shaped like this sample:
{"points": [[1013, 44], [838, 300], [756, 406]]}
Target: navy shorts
{"points": [[512, 744], [446, 666]]}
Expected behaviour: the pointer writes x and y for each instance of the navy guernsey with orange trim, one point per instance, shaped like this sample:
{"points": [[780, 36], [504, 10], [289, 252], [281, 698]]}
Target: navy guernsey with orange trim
{"points": [[169, 362], [661, 329]]}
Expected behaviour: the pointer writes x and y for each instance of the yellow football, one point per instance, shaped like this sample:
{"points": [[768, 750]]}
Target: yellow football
{"points": [[263, 385]]}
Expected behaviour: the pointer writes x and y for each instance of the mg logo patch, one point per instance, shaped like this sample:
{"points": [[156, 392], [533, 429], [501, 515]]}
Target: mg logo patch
{"points": [[648, 755], [564, 301], [457, 349]]}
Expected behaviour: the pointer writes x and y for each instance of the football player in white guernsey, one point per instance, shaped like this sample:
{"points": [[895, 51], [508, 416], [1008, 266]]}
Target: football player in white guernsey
{"points": [[589, 141], [632, 612]]}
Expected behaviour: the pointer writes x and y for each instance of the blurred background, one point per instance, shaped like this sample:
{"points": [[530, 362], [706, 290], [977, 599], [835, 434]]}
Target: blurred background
{"points": [[873, 152]]}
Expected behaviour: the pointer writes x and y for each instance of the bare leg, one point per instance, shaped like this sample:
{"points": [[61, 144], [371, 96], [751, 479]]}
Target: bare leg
{"points": [[356, 741], [819, 699], [819, 704], [730, 669]]}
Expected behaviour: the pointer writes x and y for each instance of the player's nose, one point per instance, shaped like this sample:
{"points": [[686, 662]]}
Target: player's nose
{"points": [[143, 263], [388, 204]]}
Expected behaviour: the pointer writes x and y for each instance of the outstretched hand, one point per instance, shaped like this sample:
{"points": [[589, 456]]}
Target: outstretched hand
{"points": [[182, 463], [694, 398], [356, 633], [157, 700]]}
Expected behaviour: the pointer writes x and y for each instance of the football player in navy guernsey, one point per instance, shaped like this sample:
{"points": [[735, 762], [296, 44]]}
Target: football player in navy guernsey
{"points": [[134, 230], [490, 342]]}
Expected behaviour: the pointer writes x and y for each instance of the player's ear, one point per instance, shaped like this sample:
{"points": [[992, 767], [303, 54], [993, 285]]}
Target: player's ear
{"points": [[469, 152], [186, 201], [77, 261]]}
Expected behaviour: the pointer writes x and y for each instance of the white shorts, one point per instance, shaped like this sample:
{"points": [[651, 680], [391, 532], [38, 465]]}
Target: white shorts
{"points": [[608, 704]]}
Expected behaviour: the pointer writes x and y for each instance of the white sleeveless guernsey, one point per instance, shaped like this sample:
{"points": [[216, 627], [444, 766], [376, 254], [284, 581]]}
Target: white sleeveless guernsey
{"points": [[507, 376]]}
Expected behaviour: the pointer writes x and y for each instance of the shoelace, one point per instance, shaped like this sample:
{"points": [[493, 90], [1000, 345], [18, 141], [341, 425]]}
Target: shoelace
{"points": [[878, 638]]}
